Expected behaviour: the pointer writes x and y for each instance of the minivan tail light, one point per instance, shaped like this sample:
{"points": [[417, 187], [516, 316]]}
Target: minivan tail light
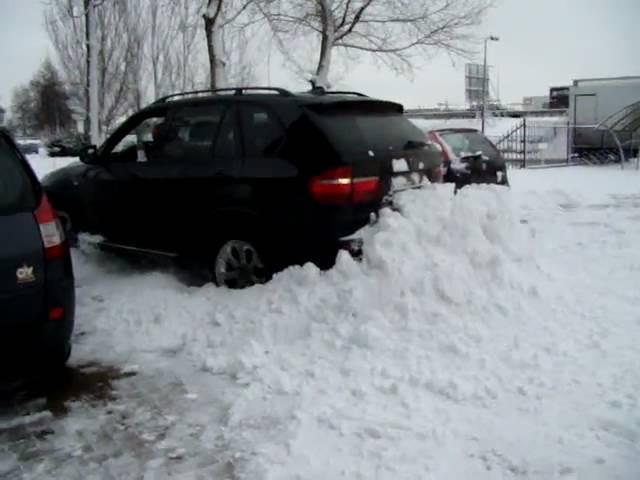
{"points": [[56, 313], [51, 230], [337, 186]]}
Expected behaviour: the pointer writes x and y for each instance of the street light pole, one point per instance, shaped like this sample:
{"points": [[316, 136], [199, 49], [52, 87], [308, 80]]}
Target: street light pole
{"points": [[485, 82], [94, 105]]}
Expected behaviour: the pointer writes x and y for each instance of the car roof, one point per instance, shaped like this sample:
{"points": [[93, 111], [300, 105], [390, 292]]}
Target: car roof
{"points": [[303, 98]]}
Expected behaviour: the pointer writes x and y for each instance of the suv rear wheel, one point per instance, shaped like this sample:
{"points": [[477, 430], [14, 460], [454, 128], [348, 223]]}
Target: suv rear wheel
{"points": [[238, 264]]}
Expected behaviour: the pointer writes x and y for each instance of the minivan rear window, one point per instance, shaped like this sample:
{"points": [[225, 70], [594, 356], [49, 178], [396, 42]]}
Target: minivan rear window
{"points": [[16, 191], [379, 132]]}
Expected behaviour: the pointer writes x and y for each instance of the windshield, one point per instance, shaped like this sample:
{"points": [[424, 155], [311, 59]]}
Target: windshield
{"points": [[469, 143], [16, 192]]}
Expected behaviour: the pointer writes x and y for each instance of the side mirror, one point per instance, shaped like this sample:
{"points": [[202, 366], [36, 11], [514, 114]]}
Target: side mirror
{"points": [[89, 155]]}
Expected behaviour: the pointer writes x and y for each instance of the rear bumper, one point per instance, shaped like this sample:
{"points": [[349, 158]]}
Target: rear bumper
{"points": [[33, 347], [28, 343]]}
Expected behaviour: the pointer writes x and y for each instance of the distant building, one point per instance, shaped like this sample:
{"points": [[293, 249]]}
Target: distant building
{"points": [[539, 102], [2, 112], [559, 97]]}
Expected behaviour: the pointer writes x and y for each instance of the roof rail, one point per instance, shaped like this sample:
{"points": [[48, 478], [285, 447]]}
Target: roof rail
{"points": [[233, 90], [319, 90], [344, 92]]}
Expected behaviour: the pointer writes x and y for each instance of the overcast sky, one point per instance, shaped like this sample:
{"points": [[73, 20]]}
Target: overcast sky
{"points": [[542, 43]]}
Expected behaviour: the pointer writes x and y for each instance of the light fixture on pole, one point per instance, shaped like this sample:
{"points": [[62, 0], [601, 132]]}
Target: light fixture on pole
{"points": [[485, 81]]}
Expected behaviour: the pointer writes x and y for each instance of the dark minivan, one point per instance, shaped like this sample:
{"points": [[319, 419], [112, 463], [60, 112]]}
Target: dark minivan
{"points": [[244, 180], [37, 296]]}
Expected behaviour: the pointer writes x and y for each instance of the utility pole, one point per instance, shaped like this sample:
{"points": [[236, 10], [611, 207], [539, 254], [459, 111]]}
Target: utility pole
{"points": [[485, 80], [93, 72], [87, 65]]}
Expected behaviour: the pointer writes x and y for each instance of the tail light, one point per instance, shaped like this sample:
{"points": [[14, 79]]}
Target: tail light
{"points": [[56, 313], [51, 230], [338, 187]]}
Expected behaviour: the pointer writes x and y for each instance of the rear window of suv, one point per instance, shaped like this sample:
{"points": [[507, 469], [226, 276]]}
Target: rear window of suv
{"points": [[354, 131], [16, 191]]}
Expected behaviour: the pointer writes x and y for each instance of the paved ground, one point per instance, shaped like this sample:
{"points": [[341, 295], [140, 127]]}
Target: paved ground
{"points": [[101, 422]]}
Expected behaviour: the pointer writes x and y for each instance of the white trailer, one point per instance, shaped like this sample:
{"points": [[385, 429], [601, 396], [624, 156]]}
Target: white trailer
{"points": [[591, 101]]}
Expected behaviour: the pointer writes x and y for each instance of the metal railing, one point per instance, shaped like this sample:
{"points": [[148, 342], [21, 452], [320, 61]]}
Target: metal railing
{"points": [[554, 142]]}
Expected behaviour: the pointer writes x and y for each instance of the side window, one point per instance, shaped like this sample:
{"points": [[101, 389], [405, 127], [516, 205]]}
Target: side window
{"points": [[142, 142], [194, 130], [263, 135], [227, 143], [16, 190]]}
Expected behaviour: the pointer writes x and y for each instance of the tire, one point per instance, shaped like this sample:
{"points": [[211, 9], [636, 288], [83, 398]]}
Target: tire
{"points": [[50, 367], [240, 264], [56, 358]]}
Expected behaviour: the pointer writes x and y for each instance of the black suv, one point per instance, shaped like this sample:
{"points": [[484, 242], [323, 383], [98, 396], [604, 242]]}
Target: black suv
{"points": [[247, 180]]}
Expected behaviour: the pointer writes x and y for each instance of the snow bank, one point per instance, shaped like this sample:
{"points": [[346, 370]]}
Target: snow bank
{"points": [[361, 371], [346, 379], [463, 346], [491, 334]]}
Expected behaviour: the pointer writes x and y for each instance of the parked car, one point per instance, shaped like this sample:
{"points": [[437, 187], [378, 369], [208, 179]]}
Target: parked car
{"points": [[28, 146], [469, 157], [69, 146], [37, 296], [246, 180]]}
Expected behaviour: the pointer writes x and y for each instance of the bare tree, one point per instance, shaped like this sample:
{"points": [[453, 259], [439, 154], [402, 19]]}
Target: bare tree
{"points": [[65, 21], [189, 52], [219, 16], [394, 31], [148, 48]]}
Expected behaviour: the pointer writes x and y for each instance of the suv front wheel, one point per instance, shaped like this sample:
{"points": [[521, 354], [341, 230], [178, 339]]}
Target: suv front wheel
{"points": [[238, 264]]}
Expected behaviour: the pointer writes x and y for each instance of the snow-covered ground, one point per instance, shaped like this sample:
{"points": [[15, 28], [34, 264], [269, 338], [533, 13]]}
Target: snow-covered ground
{"points": [[487, 335]]}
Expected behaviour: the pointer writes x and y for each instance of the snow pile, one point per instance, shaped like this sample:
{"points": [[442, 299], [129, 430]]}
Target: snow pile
{"points": [[490, 334], [349, 373], [462, 346]]}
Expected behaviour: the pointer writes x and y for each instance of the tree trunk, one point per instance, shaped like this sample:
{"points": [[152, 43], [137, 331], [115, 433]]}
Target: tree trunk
{"points": [[326, 45], [213, 33], [208, 30], [324, 63]]}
